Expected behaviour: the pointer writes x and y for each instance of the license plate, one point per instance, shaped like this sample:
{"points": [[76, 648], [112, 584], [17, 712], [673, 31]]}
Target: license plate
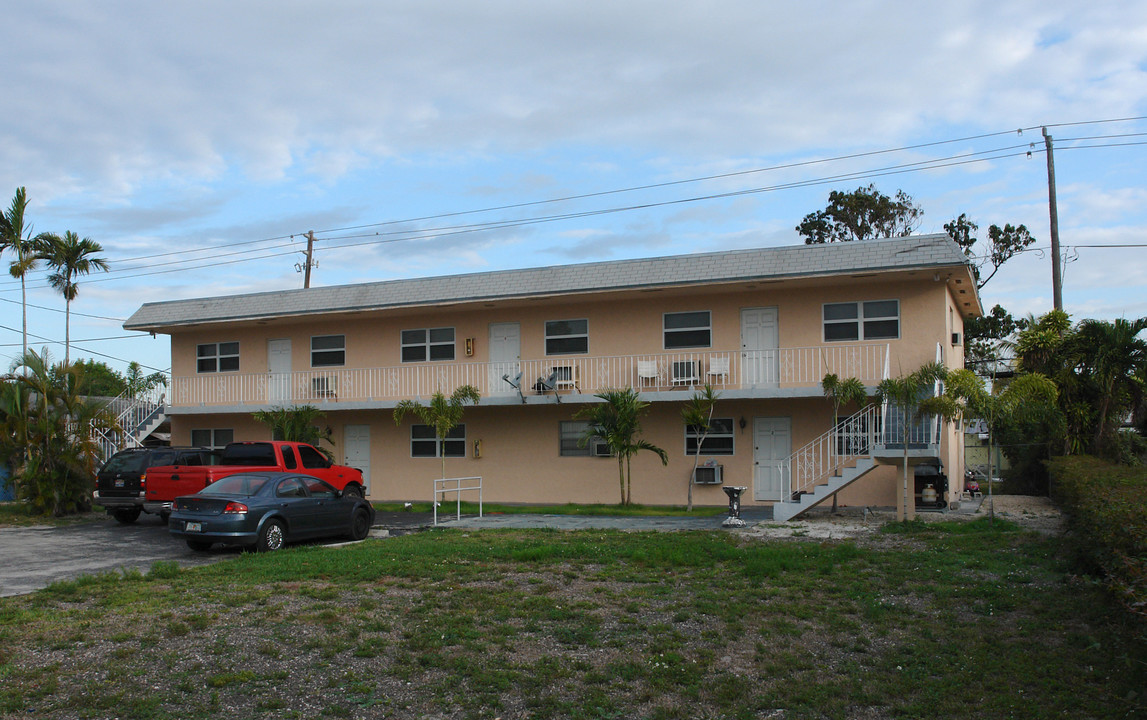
{"points": [[193, 527], [119, 482]]}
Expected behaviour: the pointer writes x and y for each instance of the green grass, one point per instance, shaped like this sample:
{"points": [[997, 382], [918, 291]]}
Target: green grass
{"points": [[14, 513], [471, 508], [939, 620]]}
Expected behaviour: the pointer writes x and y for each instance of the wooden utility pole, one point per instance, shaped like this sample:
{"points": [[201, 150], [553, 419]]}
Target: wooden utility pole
{"points": [[1056, 280], [310, 254]]}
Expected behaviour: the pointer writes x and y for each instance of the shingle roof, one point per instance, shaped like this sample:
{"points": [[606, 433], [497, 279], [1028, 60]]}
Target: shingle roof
{"points": [[917, 251]]}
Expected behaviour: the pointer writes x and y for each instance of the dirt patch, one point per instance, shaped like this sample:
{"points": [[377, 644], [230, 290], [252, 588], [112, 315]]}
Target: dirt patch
{"points": [[860, 524]]}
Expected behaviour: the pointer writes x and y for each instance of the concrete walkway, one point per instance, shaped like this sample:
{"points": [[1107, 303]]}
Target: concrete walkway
{"points": [[602, 522]]}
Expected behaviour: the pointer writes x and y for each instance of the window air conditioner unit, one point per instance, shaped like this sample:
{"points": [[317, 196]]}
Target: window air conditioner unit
{"points": [[708, 475], [601, 449], [955, 338], [325, 387]]}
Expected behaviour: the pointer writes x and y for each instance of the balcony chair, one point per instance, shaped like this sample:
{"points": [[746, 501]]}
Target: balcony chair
{"points": [[648, 370], [718, 368]]}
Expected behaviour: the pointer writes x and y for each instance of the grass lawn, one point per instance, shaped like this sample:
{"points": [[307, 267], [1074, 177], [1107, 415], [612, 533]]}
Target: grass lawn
{"points": [[937, 620]]}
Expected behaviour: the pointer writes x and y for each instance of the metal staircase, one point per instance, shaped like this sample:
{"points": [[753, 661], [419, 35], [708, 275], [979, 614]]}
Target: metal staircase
{"points": [[831, 462], [136, 418]]}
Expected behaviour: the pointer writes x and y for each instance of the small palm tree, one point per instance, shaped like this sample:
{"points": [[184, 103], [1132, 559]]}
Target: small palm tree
{"points": [[68, 257], [617, 423], [443, 413], [906, 394], [842, 393], [298, 424], [698, 414]]}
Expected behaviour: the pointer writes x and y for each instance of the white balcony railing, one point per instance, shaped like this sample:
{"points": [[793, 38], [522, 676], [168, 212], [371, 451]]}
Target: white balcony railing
{"points": [[782, 368]]}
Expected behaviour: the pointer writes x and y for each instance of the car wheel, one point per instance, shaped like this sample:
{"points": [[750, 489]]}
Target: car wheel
{"points": [[352, 490], [127, 516], [271, 536], [360, 525], [200, 545]]}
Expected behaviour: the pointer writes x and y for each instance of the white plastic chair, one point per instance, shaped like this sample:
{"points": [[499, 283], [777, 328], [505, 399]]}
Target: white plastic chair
{"points": [[647, 370], [719, 367]]}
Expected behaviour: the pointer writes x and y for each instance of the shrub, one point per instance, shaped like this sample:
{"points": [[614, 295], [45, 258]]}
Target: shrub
{"points": [[1104, 504]]}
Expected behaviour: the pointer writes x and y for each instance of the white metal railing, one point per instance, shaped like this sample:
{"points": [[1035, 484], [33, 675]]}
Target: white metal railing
{"points": [[782, 368], [820, 459], [132, 413], [440, 490]]}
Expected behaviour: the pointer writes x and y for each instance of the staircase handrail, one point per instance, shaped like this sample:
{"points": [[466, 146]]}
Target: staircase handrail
{"points": [[139, 408], [822, 457]]}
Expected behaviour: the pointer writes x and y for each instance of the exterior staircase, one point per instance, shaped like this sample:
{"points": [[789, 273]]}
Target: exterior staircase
{"points": [[136, 418], [784, 511]]}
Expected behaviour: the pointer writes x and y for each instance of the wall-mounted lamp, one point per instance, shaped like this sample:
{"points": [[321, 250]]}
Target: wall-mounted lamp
{"points": [[477, 448], [742, 423], [469, 347]]}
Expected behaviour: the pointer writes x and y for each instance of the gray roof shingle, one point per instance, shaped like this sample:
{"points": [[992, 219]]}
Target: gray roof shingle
{"points": [[917, 251]]}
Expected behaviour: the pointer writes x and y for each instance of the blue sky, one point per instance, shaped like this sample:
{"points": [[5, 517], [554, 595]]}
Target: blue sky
{"points": [[176, 133]]}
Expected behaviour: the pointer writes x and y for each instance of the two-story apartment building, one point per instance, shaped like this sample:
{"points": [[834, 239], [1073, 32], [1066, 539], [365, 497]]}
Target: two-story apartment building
{"points": [[761, 326]]}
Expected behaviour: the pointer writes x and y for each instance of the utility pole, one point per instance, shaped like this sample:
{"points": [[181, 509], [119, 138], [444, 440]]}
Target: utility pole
{"points": [[1056, 280], [306, 266]]}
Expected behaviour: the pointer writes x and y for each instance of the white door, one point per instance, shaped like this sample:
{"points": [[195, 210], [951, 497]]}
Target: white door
{"points": [[356, 451], [759, 366], [772, 445], [505, 351], [279, 368]]}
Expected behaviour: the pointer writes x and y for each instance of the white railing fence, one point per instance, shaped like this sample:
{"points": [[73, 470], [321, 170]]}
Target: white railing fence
{"points": [[132, 413], [823, 457], [456, 486], [789, 367]]}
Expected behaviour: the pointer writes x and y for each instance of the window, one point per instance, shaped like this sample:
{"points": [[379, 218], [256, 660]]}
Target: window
{"points": [[312, 458], [328, 350], [688, 330], [291, 487], [567, 337], [719, 441], [571, 433], [869, 320], [212, 439], [217, 357], [428, 344], [424, 442]]}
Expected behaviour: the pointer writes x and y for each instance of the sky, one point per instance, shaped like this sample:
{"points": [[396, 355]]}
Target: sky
{"points": [[198, 142]]}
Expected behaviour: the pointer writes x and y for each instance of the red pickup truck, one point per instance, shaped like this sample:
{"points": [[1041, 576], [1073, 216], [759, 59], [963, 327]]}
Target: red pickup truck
{"points": [[164, 484]]}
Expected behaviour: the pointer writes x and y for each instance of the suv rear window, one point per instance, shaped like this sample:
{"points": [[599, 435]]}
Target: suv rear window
{"points": [[131, 461]]}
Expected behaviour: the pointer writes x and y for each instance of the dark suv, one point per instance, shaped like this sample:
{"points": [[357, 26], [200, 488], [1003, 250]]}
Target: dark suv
{"points": [[122, 481]]}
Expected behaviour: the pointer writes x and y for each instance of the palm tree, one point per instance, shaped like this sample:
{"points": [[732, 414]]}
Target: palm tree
{"points": [[905, 395], [25, 245], [840, 393], [1110, 355], [69, 257], [297, 424], [617, 423], [443, 413], [698, 415]]}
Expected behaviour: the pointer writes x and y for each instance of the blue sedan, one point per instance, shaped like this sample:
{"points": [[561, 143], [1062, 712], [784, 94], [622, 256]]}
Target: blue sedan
{"points": [[265, 510]]}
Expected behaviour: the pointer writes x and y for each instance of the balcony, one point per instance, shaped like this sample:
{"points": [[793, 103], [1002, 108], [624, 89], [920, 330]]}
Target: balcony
{"points": [[789, 371]]}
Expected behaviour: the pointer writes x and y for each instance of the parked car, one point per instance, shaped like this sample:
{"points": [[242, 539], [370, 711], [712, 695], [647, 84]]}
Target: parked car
{"points": [[167, 483], [266, 510], [121, 484]]}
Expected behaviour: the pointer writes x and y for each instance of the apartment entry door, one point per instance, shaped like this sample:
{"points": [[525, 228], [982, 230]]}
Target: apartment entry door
{"points": [[279, 370], [505, 352], [772, 445], [759, 342], [356, 451]]}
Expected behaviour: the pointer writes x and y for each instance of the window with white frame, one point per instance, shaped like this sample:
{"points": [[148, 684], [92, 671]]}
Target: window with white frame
{"points": [[719, 440], [567, 337], [212, 439], [428, 344], [328, 350], [868, 320], [217, 357], [424, 442], [688, 330], [571, 433]]}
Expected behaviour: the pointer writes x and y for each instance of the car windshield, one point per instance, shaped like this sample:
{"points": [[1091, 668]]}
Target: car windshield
{"points": [[236, 485]]}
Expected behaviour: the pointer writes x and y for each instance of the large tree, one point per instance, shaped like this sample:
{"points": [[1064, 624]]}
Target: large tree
{"points": [[863, 214], [68, 257], [1002, 244], [26, 248]]}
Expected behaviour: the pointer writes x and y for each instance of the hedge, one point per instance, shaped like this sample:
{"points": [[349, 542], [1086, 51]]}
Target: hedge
{"points": [[1106, 507]]}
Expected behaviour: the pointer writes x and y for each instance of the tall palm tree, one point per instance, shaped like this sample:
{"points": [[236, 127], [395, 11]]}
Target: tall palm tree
{"points": [[617, 423], [443, 413], [904, 396], [68, 257], [26, 246], [841, 393], [1111, 356]]}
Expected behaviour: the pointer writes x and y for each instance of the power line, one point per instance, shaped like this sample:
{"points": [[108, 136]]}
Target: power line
{"points": [[86, 350]]}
